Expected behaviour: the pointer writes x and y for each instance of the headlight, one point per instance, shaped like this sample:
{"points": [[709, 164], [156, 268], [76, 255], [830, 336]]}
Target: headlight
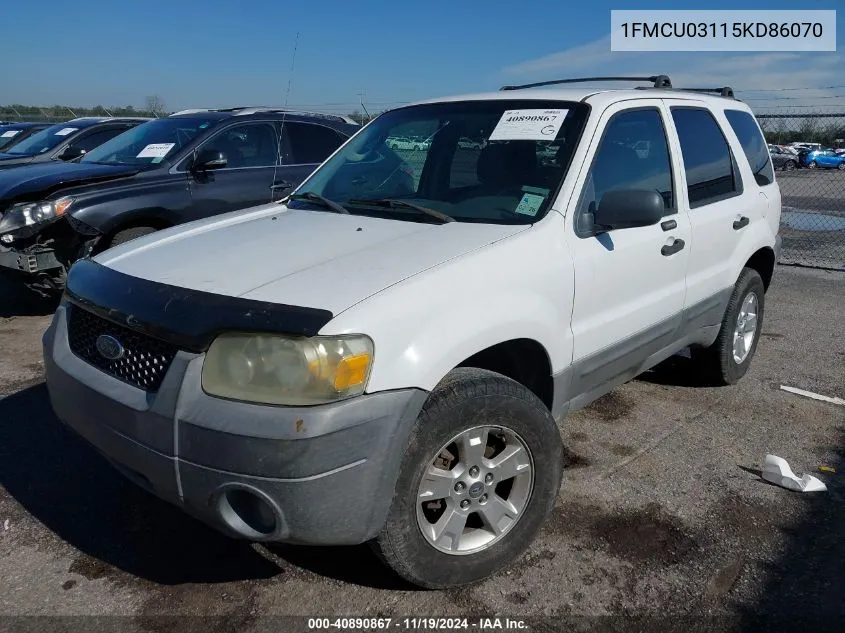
{"points": [[274, 369], [27, 213]]}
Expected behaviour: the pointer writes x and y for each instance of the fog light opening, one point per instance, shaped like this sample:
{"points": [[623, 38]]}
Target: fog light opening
{"points": [[247, 513]]}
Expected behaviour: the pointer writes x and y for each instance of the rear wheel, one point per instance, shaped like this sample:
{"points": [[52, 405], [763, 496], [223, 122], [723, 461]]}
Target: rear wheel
{"points": [[480, 475], [841, 167], [790, 165], [729, 357], [812, 164], [121, 237]]}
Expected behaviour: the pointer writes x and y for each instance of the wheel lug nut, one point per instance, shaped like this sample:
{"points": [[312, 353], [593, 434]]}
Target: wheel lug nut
{"points": [[488, 478], [482, 499], [459, 487], [465, 503], [473, 472]]}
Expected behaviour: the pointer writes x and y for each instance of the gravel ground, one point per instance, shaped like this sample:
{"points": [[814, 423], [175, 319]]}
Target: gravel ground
{"points": [[662, 513]]}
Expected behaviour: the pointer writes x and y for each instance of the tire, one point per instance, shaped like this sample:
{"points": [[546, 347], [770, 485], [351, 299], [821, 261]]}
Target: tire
{"points": [[841, 167], [811, 165], [790, 165], [718, 364], [121, 237], [466, 399]]}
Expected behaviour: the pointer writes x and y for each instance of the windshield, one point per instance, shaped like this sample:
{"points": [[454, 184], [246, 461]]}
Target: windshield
{"points": [[149, 143], [497, 161], [9, 135], [43, 141]]}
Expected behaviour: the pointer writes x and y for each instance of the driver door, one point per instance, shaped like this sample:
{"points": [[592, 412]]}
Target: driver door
{"points": [[629, 283]]}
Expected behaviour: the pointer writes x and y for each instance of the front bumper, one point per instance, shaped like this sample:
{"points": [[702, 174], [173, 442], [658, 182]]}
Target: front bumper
{"points": [[28, 262], [311, 475]]}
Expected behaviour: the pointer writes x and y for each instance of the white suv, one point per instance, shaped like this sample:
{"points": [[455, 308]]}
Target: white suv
{"points": [[383, 356]]}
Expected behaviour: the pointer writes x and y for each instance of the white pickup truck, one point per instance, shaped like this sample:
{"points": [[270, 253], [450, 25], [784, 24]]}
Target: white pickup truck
{"points": [[384, 356]]}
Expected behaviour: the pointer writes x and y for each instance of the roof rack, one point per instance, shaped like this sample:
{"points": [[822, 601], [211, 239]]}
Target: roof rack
{"points": [[658, 81], [725, 91], [243, 111]]}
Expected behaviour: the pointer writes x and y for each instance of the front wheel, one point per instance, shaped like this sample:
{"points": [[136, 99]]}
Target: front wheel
{"points": [[812, 164], [841, 167], [729, 357], [790, 166], [480, 474]]}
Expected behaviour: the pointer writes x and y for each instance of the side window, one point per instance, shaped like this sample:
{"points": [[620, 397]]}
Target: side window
{"points": [[95, 139], [308, 143], [632, 154], [708, 162], [753, 145], [247, 145]]}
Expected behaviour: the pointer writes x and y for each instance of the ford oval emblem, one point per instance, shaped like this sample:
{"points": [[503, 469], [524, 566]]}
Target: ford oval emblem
{"points": [[109, 347]]}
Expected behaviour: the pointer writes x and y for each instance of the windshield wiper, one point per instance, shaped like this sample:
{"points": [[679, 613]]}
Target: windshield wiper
{"points": [[316, 198], [396, 203]]}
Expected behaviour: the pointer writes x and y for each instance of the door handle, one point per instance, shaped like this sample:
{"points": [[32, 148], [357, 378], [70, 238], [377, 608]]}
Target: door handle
{"points": [[668, 225], [671, 249], [281, 186], [742, 222]]}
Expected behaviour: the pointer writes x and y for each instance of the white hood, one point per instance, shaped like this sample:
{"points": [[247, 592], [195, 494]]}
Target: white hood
{"points": [[308, 258]]}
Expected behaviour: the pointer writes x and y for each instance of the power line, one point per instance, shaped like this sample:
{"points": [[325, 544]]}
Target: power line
{"points": [[794, 98], [789, 89]]}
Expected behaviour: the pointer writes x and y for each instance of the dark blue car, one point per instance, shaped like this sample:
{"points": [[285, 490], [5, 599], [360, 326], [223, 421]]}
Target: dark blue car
{"points": [[826, 158]]}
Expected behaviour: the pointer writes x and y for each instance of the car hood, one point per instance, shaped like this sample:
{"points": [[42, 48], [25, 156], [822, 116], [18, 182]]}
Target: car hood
{"points": [[31, 181], [13, 160], [298, 257]]}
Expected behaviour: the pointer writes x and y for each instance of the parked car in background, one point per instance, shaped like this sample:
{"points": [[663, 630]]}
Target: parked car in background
{"points": [[824, 158], [164, 172], [783, 159], [12, 133], [66, 141]]}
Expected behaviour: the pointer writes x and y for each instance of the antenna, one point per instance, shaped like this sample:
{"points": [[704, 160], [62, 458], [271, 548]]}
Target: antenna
{"points": [[292, 64], [361, 96]]}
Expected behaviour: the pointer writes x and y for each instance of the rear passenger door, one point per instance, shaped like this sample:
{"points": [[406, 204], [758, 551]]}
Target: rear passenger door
{"points": [[629, 283], [252, 151], [720, 207], [304, 147]]}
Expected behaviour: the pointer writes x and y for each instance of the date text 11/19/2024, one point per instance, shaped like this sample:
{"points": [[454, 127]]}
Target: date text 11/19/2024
{"points": [[417, 624]]}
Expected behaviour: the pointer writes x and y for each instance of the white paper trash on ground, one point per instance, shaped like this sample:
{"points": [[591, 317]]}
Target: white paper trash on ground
{"points": [[777, 471]]}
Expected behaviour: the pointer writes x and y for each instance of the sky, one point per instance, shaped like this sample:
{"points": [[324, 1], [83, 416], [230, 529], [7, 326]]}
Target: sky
{"points": [[210, 53]]}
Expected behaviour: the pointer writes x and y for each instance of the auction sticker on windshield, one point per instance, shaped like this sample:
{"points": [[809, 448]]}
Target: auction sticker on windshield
{"points": [[155, 150], [9, 133], [528, 125], [66, 130]]}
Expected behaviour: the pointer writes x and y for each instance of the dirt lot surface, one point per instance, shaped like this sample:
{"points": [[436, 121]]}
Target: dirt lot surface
{"points": [[662, 511]]}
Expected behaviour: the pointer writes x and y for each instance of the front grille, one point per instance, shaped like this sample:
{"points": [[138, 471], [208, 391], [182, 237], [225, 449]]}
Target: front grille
{"points": [[144, 360]]}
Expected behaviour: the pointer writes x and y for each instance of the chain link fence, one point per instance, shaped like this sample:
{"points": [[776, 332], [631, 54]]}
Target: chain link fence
{"points": [[809, 152]]}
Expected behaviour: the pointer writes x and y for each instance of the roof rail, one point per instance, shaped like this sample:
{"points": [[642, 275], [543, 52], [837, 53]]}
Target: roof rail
{"points": [[244, 110], [725, 91], [658, 81], [283, 110], [189, 111]]}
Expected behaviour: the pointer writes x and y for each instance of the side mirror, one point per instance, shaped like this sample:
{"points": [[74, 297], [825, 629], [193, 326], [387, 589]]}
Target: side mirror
{"points": [[628, 208], [71, 152], [209, 159]]}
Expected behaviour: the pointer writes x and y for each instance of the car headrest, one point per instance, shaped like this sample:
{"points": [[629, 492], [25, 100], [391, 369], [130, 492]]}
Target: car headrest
{"points": [[506, 163]]}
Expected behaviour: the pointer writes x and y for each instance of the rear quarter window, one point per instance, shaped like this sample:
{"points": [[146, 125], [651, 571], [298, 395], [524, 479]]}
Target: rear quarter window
{"points": [[753, 145]]}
